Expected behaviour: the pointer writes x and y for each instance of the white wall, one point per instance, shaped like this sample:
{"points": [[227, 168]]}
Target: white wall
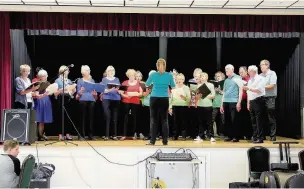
{"points": [[76, 166]]}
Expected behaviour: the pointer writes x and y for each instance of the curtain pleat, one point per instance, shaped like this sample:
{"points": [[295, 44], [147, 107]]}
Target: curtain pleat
{"points": [[19, 52], [5, 62], [289, 99]]}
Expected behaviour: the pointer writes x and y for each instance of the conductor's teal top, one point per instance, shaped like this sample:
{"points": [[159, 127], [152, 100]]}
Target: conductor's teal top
{"points": [[161, 83]]}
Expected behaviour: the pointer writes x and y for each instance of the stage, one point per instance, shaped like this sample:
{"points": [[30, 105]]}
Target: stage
{"points": [[81, 166], [173, 144]]}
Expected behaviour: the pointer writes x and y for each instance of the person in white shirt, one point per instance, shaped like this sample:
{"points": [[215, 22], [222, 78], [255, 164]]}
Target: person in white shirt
{"points": [[270, 96], [256, 102]]}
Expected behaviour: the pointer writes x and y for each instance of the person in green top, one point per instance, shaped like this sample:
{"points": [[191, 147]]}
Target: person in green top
{"points": [[217, 117], [178, 107], [204, 109], [145, 108]]}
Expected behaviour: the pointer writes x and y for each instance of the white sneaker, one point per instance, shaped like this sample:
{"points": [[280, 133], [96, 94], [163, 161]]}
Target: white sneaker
{"points": [[198, 138], [212, 139], [141, 136], [135, 136]]}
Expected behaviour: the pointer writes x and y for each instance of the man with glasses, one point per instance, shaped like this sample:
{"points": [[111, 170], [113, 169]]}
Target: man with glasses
{"points": [[270, 95]]}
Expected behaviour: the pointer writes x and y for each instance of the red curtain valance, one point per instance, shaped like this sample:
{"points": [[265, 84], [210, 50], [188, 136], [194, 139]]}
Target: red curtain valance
{"points": [[156, 22]]}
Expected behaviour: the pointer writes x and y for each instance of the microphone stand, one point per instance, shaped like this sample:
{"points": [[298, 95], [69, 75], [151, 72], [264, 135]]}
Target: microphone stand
{"points": [[63, 139]]}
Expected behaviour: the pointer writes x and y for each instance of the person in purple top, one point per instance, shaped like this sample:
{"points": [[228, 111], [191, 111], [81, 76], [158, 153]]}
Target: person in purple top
{"points": [[110, 102], [86, 102]]}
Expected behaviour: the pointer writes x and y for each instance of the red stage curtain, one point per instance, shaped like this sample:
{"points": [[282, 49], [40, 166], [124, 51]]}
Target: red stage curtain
{"points": [[5, 62], [153, 22]]}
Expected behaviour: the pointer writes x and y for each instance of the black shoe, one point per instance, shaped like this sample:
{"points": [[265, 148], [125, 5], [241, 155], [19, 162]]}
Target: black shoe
{"points": [[228, 140], [150, 144], [258, 141], [91, 138], [235, 140], [273, 138]]}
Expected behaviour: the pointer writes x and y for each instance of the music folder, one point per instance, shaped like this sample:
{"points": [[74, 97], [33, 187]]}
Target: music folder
{"points": [[89, 87], [43, 86], [118, 86], [144, 88], [218, 84], [33, 85], [204, 90]]}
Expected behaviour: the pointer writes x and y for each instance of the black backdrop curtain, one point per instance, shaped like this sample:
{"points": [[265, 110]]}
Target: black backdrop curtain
{"points": [[186, 54], [246, 52], [289, 102]]}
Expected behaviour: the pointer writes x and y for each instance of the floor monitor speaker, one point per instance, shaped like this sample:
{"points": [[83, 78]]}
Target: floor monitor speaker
{"points": [[20, 125]]}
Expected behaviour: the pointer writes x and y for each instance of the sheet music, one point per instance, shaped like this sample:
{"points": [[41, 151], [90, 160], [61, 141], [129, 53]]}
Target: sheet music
{"points": [[51, 89], [177, 92], [239, 82], [132, 94]]}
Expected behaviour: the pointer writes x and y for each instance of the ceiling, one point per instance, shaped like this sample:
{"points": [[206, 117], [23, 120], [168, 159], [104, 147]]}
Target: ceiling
{"points": [[218, 4]]}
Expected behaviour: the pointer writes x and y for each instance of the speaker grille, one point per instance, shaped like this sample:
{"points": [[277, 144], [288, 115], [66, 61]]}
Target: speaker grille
{"points": [[15, 124]]}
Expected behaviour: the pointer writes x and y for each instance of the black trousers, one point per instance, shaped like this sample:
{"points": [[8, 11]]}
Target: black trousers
{"points": [[231, 126], [244, 121], [159, 110], [87, 115], [179, 121], [134, 112], [204, 115], [270, 108], [68, 126], [144, 117], [192, 121], [257, 114], [219, 120], [110, 109], [19, 105]]}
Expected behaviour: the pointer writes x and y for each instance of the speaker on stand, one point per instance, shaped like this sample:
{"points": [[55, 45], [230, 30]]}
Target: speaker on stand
{"points": [[20, 125]]}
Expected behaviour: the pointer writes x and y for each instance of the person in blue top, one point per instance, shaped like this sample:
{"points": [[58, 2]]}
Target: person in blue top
{"points": [[86, 103], [231, 103], [110, 102], [159, 100], [61, 81]]}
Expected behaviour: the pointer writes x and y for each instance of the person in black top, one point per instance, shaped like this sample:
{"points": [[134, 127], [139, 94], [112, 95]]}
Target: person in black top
{"points": [[10, 165]]}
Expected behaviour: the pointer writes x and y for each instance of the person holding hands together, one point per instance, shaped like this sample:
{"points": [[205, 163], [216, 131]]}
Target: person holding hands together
{"points": [[110, 102], [131, 102], [86, 102], [179, 100]]}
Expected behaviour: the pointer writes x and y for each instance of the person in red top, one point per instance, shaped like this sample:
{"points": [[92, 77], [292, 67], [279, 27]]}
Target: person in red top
{"points": [[244, 119], [36, 78], [131, 102]]}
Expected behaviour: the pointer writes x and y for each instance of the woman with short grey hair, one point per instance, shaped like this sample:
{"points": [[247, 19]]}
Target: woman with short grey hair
{"points": [[43, 105], [87, 101]]}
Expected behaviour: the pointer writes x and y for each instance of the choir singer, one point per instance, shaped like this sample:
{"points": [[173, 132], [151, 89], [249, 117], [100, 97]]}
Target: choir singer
{"points": [[256, 102]]}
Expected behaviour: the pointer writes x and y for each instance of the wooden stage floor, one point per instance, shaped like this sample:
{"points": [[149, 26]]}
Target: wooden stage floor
{"points": [[172, 144]]}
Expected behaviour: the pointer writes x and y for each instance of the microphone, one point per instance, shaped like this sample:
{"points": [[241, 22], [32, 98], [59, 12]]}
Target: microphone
{"points": [[71, 66], [75, 81]]}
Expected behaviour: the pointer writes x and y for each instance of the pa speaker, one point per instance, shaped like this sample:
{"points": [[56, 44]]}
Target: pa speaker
{"points": [[20, 125]]}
